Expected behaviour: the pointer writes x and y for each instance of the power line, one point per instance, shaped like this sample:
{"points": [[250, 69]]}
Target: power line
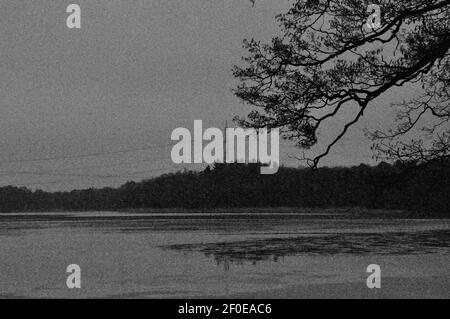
{"points": [[118, 164], [71, 180], [56, 173], [97, 154], [83, 176], [68, 172]]}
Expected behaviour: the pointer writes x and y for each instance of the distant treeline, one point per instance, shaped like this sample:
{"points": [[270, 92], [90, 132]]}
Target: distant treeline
{"points": [[400, 186]]}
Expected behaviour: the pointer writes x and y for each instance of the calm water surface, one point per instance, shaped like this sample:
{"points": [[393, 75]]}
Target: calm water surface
{"points": [[188, 255]]}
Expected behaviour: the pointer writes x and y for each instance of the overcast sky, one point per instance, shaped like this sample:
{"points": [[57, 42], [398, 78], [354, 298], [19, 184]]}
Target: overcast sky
{"points": [[135, 71]]}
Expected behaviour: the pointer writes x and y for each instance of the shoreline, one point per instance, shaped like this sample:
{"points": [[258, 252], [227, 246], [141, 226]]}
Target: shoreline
{"points": [[329, 213]]}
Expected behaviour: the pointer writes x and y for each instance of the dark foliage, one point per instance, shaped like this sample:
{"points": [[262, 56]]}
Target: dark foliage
{"points": [[422, 189]]}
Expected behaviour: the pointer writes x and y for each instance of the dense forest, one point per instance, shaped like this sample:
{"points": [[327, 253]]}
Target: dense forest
{"points": [[385, 186]]}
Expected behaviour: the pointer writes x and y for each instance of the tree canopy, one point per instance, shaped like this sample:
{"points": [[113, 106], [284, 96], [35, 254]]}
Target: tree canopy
{"points": [[419, 192], [328, 57]]}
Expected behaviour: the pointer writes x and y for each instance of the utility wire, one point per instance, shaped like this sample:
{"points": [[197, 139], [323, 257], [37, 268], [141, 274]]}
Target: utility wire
{"points": [[83, 176], [56, 173], [96, 154]]}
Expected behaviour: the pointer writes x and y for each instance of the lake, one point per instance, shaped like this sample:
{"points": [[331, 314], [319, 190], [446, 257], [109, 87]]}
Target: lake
{"points": [[268, 255]]}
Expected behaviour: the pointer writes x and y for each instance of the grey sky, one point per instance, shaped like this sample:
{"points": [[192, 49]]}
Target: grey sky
{"points": [[135, 71]]}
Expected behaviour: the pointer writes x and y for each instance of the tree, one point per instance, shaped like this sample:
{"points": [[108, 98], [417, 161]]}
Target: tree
{"points": [[330, 57]]}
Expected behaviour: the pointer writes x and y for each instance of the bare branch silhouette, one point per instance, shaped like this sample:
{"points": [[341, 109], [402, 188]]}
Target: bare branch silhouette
{"points": [[329, 59]]}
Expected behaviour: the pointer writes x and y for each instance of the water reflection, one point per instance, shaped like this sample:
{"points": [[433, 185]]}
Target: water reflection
{"points": [[254, 250]]}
